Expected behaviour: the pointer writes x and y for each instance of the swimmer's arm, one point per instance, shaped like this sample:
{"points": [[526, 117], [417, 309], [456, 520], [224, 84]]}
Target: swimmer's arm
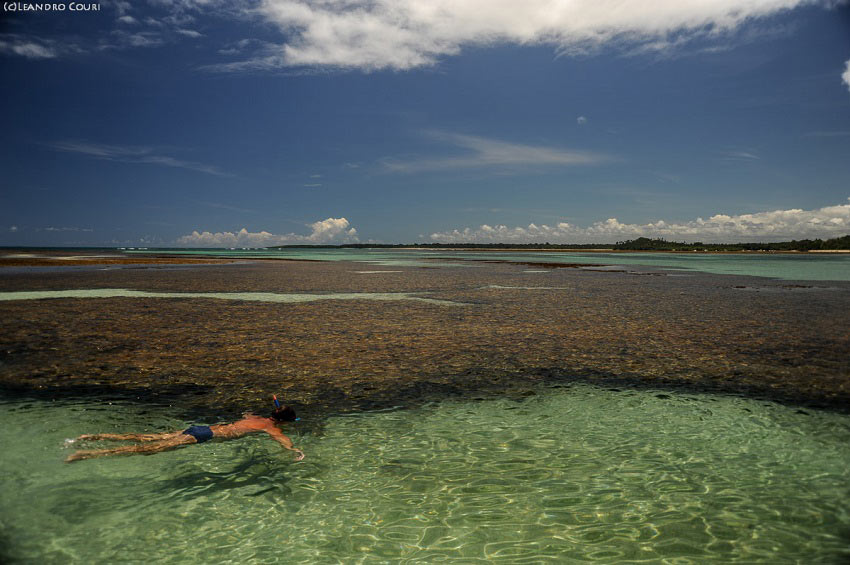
{"points": [[285, 442]]}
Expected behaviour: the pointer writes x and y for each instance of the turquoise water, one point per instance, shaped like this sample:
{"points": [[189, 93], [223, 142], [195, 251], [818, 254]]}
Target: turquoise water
{"points": [[567, 475], [278, 297], [811, 267]]}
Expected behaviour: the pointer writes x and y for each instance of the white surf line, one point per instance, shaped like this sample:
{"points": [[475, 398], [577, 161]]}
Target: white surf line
{"points": [[246, 296], [374, 272]]}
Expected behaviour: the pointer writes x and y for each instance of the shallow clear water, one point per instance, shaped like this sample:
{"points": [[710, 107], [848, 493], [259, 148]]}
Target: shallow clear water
{"points": [[569, 474], [813, 267], [279, 297]]}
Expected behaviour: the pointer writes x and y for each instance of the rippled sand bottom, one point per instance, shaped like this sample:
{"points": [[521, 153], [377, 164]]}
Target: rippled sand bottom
{"points": [[578, 473]]}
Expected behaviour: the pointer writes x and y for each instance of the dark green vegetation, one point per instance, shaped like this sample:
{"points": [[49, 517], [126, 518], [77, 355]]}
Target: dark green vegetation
{"points": [[639, 244]]}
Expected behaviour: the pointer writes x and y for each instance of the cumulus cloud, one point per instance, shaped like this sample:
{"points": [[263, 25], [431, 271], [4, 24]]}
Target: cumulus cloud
{"points": [[777, 225], [846, 76], [403, 34], [134, 154], [330, 230], [486, 152]]}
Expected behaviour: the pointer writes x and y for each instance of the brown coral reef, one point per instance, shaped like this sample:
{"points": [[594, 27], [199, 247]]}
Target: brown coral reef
{"points": [[506, 330]]}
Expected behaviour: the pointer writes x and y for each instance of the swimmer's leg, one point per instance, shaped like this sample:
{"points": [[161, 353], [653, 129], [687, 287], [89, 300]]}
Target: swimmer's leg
{"points": [[130, 437], [143, 449]]}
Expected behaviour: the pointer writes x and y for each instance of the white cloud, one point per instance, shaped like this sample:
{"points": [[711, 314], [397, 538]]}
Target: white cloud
{"points": [[403, 34], [485, 152], [139, 39], [190, 33], [846, 75], [331, 230], [777, 225], [13, 228], [745, 156], [134, 154], [581, 120], [28, 47]]}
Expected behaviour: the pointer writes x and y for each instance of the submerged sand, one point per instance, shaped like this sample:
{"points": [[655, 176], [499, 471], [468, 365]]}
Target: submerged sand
{"points": [[737, 334]]}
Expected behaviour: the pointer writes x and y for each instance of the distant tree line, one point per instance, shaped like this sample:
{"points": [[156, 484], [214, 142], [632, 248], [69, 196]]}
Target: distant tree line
{"points": [[646, 244], [639, 244]]}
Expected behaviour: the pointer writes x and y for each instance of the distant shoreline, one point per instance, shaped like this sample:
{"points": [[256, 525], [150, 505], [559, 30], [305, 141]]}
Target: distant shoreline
{"points": [[610, 250], [23, 256]]}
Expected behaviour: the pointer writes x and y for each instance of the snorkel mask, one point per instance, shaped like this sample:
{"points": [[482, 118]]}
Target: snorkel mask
{"points": [[278, 406]]}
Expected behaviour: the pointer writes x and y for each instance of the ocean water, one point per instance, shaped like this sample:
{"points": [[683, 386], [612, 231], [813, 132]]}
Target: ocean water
{"points": [[577, 473], [803, 267]]}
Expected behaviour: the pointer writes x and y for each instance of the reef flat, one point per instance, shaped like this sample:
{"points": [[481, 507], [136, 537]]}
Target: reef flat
{"points": [[490, 327]]}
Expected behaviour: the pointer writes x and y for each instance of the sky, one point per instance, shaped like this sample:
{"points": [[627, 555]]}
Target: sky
{"points": [[248, 123]]}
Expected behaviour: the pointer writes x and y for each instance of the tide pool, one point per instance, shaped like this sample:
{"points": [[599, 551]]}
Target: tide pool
{"points": [[275, 297], [578, 473]]}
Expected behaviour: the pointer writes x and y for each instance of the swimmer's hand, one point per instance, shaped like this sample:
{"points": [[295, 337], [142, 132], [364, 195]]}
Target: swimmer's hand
{"points": [[299, 455]]}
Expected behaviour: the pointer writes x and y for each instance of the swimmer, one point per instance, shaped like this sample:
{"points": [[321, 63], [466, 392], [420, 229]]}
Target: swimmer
{"points": [[154, 443]]}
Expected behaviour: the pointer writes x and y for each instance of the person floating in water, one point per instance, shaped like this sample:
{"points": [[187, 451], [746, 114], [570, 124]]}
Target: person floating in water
{"points": [[154, 443]]}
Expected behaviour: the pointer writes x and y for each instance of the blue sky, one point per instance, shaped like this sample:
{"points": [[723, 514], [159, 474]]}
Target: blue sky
{"points": [[250, 123]]}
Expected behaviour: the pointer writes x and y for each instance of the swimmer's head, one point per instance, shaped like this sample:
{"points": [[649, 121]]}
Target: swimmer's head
{"points": [[284, 414]]}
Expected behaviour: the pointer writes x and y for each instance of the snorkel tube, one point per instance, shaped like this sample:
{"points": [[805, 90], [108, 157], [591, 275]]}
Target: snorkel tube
{"points": [[278, 406]]}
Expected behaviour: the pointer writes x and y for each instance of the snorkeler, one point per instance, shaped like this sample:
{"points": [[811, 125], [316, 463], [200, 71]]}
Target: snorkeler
{"points": [[154, 443]]}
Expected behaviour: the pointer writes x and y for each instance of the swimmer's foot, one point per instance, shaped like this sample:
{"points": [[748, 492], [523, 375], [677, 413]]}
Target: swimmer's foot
{"points": [[79, 456]]}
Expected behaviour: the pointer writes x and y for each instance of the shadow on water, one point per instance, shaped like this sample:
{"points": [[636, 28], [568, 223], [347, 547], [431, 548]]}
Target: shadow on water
{"points": [[253, 474], [252, 469], [6, 555]]}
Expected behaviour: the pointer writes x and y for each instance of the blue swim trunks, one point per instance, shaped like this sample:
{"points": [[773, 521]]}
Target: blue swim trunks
{"points": [[200, 433]]}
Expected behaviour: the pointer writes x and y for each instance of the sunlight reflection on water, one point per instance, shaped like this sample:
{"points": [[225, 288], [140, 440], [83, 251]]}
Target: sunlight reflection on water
{"points": [[577, 473]]}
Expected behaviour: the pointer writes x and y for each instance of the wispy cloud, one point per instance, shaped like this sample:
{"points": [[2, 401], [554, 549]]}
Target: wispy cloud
{"points": [[404, 34], [845, 76], [330, 230], [134, 154], [776, 225], [744, 156], [69, 229], [486, 152], [190, 33], [32, 47]]}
